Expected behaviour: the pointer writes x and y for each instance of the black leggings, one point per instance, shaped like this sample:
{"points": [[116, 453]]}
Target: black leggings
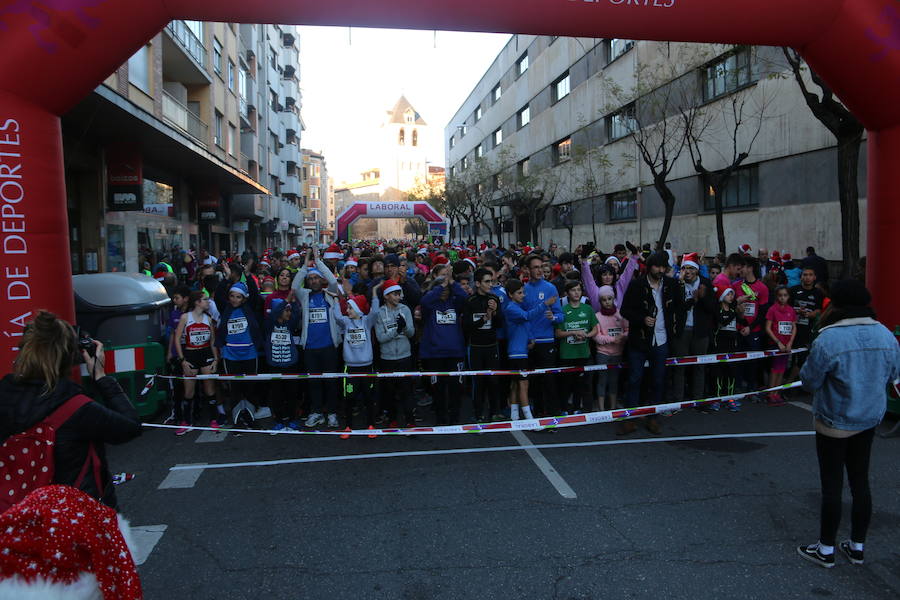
{"points": [[835, 454], [445, 390], [284, 394], [397, 392]]}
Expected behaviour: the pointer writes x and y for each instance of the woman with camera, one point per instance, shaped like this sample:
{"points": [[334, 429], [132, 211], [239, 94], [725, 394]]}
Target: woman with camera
{"points": [[40, 384]]}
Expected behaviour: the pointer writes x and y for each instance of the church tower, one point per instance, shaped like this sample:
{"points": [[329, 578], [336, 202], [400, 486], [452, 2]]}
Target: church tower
{"points": [[404, 135]]}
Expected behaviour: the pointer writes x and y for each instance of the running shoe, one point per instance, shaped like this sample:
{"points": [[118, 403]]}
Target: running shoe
{"points": [[214, 424], [315, 419], [775, 399], [279, 426], [183, 428], [293, 425], [346, 434], [812, 554], [333, 421], [372, 436], [854, 556], [734, 406]]}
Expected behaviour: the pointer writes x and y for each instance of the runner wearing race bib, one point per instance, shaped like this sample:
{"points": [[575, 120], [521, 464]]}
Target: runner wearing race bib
{"points": [[781, 328], [578, 326], [612, 333], [283, 356], [752, 297], [359, 355], [725, 341], [239, 336], [193, 341]]}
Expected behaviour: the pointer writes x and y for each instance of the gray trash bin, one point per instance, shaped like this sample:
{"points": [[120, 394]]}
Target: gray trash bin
{"points": [[120, 309]]}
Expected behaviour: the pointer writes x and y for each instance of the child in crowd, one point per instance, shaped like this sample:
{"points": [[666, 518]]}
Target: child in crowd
{"points": [[519, 340], [356, 327], [726, 342], [282, 356], [394, 329], [781, 328], [612, 333], [443, 345], [578, 326]]}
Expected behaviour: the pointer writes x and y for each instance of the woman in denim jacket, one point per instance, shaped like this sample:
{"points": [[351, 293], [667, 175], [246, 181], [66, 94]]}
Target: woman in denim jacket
{"points": [[850, 364]]}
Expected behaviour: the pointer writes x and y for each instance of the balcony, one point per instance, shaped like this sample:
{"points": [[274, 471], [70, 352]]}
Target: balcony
{"points": [[290, 90], [184, 55], [291, 123], [248, 206], [291, 186], [177, 114], [290, 57], [290, 153]]}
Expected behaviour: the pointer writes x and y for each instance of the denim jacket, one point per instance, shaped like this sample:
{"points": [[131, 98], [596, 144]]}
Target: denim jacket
{"points": [[849, 367]]}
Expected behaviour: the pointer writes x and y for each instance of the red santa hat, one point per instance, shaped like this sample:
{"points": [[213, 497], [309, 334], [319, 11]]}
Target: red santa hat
{"points": [[724, 292], [786, 257], [391, 286], [744, 249], [333, 253], [527, 249], [351, 263], [440, 260], [58, 542], [690, 260], [775, 257], [358, 304], [294, 254], [471, 262]]}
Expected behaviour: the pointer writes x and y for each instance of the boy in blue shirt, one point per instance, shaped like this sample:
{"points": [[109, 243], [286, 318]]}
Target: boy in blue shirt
{"points": [[544, 353]]}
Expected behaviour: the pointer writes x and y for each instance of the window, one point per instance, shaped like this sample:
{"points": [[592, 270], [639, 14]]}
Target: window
{"points": [[561, 87], [479, 150], [218, 130], [619, 47], [562, 216], [562, 151], [410, 116], [402, 138], [452, 141], [496, 93], [230, 75], [217, 56], [621, 123], [465, 163], [242, 84], [728, 74], [478, 114], [232, 139], [415, 139], [523, 168], [139, 69], [522, 65], [523, 117], [196, 27], [497, 137], [623, 205], [453, 171], [741, 190], [463, 130]]}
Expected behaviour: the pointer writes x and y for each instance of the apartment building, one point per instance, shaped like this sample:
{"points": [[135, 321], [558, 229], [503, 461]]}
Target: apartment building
{"points": [[192, 143], [563, 110], [318, 213]]}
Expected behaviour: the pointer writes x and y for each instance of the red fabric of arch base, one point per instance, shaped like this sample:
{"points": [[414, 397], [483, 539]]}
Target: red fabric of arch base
{"points": [[53, 52]]}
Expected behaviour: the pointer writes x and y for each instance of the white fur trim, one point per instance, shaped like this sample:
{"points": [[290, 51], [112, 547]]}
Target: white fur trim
{"points": [[125, 529], [333, 256], [16, 588], [689, 263], [393, 288]]}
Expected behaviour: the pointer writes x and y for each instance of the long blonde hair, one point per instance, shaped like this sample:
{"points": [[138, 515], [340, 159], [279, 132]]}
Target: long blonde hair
{"points": [[47, 352]]}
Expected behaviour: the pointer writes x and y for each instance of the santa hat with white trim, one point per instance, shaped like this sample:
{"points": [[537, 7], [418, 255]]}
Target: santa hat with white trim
{"points": [[724, 293], [333, 253], [391, 286], [690, 260], [294, 254], [745, 249]]}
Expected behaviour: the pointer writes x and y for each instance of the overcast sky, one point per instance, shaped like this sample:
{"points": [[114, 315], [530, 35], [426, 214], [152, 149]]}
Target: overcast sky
{"points": [[351, 77]]}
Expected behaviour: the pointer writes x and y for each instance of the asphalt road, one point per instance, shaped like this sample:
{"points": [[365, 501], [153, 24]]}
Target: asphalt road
{"points": [[708, 518]]}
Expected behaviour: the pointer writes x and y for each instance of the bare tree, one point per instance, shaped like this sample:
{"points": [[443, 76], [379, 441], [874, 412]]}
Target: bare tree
{"points": [[848, 131]]}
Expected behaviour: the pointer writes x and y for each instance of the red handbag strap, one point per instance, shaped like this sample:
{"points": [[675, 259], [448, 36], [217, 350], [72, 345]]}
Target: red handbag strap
{"points": [[64, 412], [92, 459]]}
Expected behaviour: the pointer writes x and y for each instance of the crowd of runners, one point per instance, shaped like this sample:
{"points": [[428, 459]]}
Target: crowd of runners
{"points": [[404, 307]]}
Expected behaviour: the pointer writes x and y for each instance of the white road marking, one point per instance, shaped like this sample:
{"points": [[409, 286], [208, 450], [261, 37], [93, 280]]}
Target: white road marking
{"points": [[318, 459], [803, 405], [183, 477], [552, 475], [145, 538], [206, 437]]}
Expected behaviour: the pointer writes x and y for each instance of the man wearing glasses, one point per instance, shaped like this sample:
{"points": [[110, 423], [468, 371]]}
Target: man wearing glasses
{"points": [[482, 319]]}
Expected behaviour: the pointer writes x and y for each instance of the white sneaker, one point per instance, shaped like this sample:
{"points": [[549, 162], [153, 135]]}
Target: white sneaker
{"points": [[315, 419], [333, 421]]}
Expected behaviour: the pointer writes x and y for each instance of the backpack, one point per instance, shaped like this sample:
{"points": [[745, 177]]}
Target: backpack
{"points": [[26, 459]]}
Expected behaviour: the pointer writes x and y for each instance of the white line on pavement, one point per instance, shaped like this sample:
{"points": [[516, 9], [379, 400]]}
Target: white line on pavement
{"points": [[206, 437], [182, 477], [318, 459], [145, 539], [564, 489], [802, 405]]}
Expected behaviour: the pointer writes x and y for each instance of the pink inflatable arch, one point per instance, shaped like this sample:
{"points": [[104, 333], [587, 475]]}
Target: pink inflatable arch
{"points": [[388, 210], [53, 52]]}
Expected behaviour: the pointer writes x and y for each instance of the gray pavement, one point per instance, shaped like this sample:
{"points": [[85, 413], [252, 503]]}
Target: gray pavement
{"points": [[709, 518]]}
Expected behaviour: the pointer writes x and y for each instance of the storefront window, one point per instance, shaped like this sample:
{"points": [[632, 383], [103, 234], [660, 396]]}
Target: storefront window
{"points": [[115, 247], [159, 199]]}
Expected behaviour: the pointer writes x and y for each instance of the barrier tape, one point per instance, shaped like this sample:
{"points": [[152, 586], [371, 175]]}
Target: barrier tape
{"points": [[606, 416], [700, 359]]}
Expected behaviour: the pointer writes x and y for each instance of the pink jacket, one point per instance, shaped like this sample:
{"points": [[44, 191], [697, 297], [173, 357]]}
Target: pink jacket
{"points": [[611, 345], [592, 290]]}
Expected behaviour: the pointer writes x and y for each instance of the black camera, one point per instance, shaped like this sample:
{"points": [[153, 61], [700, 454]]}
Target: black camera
{"points": [[86, 343]]}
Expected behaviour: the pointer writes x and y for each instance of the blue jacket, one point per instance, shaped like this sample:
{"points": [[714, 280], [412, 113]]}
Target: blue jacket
{"points": [[849, 367], [443, 336], [518, 326], [541, 327], [252, 326], [286, 353]]}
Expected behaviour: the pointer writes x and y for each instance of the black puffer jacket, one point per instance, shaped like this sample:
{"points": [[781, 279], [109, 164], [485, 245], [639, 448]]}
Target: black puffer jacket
{"points": [[111, 420]]}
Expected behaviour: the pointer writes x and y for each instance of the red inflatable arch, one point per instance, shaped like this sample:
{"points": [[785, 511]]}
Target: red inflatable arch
{"points": [[53, 52]]}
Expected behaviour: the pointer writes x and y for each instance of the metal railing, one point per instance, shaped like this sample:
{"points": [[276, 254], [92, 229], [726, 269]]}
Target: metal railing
{"points": [[178, 115], [189, 40]]}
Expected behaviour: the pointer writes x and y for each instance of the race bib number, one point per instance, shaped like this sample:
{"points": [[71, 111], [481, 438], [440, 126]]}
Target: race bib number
{"points": [[802, 321], [356, 337], [478, 316], [614, 332], [281, 338], [750, 309], [392, 326], [318, 315], [237, 326], [574, 340], [732, 326], [785, 327], [447, 317], [199, 337]]}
